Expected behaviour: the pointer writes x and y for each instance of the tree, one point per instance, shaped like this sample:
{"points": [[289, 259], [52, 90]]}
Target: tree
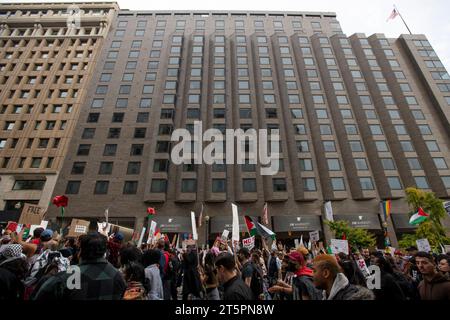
{"points": [[432, 229], [357, 238]]}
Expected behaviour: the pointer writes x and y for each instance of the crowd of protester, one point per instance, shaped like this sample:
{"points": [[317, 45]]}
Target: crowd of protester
{"points": [[45, 266]]}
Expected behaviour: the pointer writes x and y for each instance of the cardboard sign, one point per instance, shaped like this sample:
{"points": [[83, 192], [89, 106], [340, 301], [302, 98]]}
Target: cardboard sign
{"points": [[127, 232], [225, 234], [423, 245], [314, 236], [31, 214], [78, 227], [338, 246], [249, 243]]}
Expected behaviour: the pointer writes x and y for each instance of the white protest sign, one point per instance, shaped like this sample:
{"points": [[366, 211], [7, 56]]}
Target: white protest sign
{"points": [[363, 267], [423, 245], [296, 243], [103, 228], [225, 234], [447, 248], [249, 243], [314, 236], [194, 226], [151, 231], [43, 225], [338, 246], [235, 228], [141, 237]]}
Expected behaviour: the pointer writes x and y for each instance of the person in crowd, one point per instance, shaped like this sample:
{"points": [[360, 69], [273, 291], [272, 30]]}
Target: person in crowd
{"points": [[301, 287], [209, 277], [128, 254], [389, 290], [174, 273], [366, 256], [114, 246], [167, 271], [328, 277], [351, 270], [13, 269], [162, 259], [434, 285], [150, 260], [403, 280], [99, 280], [192, 285], [273, 268], [234, 287], [444, 265], [134, 275]]}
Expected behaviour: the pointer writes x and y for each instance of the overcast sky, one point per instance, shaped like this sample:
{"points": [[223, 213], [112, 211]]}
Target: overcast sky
{"points": [[362, 16]]}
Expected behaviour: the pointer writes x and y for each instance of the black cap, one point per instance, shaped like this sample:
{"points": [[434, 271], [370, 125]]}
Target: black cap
{"points": [[412, 248]]}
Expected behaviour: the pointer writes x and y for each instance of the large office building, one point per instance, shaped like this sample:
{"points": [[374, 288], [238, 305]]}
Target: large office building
{"points": [[46, 61], [360, 118]]}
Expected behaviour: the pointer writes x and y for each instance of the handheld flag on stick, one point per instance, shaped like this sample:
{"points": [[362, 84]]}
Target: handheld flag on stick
{"points": [[419, 217], [254, 228]]}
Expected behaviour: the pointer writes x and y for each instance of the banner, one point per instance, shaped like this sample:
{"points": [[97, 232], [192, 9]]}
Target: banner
{"points": [[225, 234], [249, 243], [235, 229], [151, 231], [328, 211], [31, 214], [423, 245], [141, 237], [78, 227], [194, 226], [338, 246], [314, 236]]}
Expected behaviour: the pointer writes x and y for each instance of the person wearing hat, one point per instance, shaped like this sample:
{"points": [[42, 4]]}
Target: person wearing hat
{"points": [[13, 268], [301, 287], [114, 246]]}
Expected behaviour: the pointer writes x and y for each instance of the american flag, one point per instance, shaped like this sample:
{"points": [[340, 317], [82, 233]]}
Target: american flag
{"points": [[393, 15], [266, 215]]}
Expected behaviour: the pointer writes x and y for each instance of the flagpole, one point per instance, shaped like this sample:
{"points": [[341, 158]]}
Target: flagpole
{"points": [[402, 19]]}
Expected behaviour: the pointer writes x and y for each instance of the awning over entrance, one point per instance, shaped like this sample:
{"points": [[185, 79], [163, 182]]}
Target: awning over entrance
{"points": [[296, 223], [173, 224], [362, 221], [401, 222], [220, 223]]}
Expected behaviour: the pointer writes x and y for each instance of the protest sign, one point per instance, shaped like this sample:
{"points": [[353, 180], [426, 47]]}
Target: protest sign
{"points": [[43, 225], [31, 214], [296, 243], [363, 267], [423, 245], [225, 234], [151, 231], [78, 227], [249, 243], [339, 246], [127, 232], [314, 236], [103, 228]]}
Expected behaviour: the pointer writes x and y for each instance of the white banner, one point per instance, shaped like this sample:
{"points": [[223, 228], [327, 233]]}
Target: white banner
{"points": [[235, 229], [339, 246], [194, 226], [249, 243], [328, 211]]}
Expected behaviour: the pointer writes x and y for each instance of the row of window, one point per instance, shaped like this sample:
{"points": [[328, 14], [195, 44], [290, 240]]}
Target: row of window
{"points": [[219, 25], [248, 185], [33, 163], [43, 143], [18, 109], [49, 125]]}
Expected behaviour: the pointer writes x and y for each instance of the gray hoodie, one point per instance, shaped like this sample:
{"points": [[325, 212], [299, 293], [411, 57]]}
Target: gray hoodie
{"points": [[343, 290], [154, 278]]}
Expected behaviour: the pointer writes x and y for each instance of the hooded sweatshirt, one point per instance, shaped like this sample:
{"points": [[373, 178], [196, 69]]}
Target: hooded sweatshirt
{"points": [[438, 288], [343, 290]]}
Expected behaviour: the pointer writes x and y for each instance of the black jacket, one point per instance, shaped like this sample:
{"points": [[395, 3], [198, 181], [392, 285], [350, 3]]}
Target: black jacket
{"points": [[236, 289]]}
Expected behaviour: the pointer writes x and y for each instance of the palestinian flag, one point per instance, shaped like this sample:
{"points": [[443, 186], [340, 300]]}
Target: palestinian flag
{"points": [[254, 228], [419, 217]]}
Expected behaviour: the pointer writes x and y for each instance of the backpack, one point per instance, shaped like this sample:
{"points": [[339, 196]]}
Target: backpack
{"points": [[257, 281], [304, 285]]}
